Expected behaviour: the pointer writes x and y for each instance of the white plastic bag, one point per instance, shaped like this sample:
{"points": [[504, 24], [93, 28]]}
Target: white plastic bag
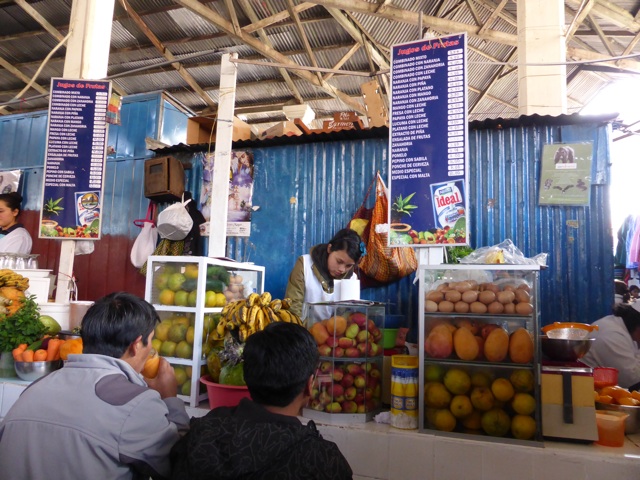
{"points": [[174, 222], [144, 245]]}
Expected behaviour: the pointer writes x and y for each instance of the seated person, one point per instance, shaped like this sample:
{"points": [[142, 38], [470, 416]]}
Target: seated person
{"points": [[634, 290], [616, 344], [262, 438], [96, 417]]}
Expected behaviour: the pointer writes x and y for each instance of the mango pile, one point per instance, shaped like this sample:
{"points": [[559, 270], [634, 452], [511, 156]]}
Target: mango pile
{"points": [[470, 340], [475, 401], [617, 395]]}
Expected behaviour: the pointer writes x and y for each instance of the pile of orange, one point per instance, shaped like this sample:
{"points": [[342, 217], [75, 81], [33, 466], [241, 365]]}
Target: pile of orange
{"points": [[616, 395]]}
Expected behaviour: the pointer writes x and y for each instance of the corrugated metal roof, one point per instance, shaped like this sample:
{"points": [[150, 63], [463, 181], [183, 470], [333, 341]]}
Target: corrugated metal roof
{"points": [[24, 44]]}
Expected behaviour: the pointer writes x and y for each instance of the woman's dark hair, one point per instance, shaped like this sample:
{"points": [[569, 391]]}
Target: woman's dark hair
{"points": [[113, 322], [12, 199], [630, 316], [622, 290], [347, 240], [278, 362]]}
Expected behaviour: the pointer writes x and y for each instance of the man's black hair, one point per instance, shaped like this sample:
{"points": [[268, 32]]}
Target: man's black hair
{"points": [[278, 362], [113, 322]]}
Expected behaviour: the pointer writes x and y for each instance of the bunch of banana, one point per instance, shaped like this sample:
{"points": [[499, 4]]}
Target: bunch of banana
{"points": [[9, 278], [253, 314]]}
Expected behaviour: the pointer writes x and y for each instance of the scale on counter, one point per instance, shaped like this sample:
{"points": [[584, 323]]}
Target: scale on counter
{"points": [[568, 405]]}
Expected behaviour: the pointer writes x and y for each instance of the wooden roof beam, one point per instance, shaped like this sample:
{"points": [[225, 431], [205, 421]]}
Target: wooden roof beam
{"points": [[53, 31], [197, 8], [303, 36], [603, 38], [276, 18], [407, 16], [344, 59], [164, 51], [493, 16], [578, 19], [250, 12]]}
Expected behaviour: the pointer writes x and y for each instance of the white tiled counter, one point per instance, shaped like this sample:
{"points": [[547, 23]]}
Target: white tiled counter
{"points": [[381, 452]]}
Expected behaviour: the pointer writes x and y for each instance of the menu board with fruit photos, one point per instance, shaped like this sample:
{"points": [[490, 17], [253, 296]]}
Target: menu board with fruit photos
{"points": [[428, 143], [75, 159]]}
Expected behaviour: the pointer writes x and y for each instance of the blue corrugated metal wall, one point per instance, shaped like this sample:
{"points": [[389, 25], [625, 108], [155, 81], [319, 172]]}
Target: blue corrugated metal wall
{"points": [[577, 286], [308, 191], [23, 140]]}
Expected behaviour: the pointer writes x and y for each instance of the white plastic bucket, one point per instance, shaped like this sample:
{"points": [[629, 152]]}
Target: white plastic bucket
{"points": [[58, 311]]}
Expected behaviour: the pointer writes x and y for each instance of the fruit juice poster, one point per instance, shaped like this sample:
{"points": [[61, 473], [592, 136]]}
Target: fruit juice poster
{"points": [[428, 143], [239, 206], [75, 159], [565, 175]]}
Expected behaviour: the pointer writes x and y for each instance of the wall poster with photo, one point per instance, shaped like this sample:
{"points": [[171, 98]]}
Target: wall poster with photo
{"points": [[565, 175], [239, 207]]}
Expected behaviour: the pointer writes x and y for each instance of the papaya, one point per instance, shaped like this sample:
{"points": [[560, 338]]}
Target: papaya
{"points": [[521, 346], [16, 296]]}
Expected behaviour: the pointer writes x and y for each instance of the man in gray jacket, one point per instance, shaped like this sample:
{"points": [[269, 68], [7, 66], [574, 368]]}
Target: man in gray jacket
{"points": [[97, 417]]}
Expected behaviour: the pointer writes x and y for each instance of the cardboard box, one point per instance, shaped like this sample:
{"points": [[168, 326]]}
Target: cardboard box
{"points": [[203, 130], [374, 103], [280, 129]]}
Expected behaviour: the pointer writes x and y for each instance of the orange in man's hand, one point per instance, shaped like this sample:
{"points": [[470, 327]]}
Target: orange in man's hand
{"points": [[150, 369]]}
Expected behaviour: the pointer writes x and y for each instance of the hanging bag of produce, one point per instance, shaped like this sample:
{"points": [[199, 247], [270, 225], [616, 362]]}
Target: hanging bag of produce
{"points": [[174, 222], [145, 242], [383, 263]]}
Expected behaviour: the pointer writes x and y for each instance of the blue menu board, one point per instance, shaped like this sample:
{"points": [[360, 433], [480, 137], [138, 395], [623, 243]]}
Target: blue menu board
{"points": [[75, 159], [428, 143]]}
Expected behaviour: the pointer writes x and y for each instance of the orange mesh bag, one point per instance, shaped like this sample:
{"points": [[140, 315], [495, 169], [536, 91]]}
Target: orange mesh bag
{"points": [[382, 263]]}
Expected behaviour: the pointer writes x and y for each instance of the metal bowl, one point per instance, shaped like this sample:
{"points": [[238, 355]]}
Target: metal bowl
{"points": [[31, 371], [68, 335], [632, 422], [565, 350]]}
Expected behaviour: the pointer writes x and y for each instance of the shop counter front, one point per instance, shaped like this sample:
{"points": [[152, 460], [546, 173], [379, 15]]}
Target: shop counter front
{"points": [[381, 452]]}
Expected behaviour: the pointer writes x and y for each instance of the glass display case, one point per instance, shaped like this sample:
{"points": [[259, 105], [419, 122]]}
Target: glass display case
{"points": [[348, 382], [479, 354], [188, 293]]}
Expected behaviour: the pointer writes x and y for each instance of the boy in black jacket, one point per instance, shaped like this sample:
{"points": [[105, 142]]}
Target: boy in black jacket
{"points": [[262, 438]]}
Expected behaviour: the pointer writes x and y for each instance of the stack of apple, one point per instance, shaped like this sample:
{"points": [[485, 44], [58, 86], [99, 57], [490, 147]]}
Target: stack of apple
{"points": [[350, 335], [347, 387]]}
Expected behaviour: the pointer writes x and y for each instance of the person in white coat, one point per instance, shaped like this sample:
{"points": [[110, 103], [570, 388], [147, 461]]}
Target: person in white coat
{"points": [[313, 275], [14, 238], [616, 344]]}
